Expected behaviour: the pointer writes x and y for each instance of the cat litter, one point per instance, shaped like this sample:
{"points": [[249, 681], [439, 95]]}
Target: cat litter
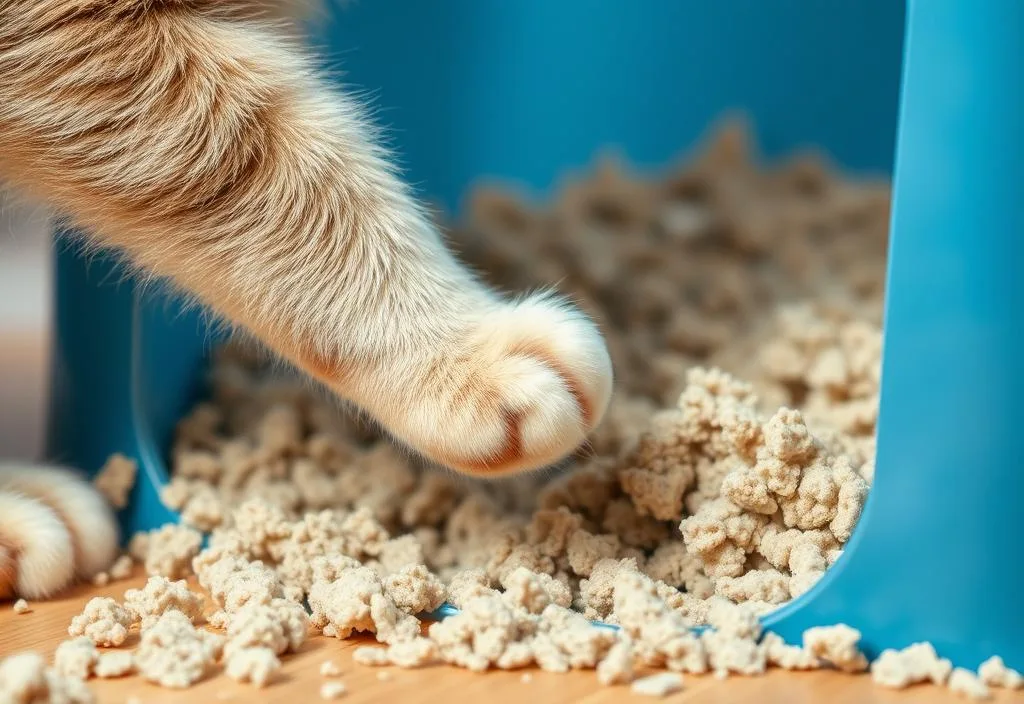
{"points": [[104, 621], [330, 668], [730, 472], [256, 665], [332, 690], [116, 479], [660, 685]]}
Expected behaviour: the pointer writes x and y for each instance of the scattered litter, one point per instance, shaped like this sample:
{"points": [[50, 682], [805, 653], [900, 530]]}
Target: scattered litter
{"points": [[332, 690], [660, 685]]}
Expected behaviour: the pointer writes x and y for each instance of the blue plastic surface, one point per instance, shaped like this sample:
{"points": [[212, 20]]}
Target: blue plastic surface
{"points": [[937, 554], [525, 90], [127, 363]]}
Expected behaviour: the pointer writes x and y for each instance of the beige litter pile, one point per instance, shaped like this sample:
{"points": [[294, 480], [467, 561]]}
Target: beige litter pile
{"points": [[741, 305]]}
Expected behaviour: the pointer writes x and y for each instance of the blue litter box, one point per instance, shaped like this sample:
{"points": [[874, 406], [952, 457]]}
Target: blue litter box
{"points": [[527, 89]]}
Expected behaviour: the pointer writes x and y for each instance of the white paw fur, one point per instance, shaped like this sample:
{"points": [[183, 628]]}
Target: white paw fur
{"points": [[54, 526], [519, 389], [539, 382]]}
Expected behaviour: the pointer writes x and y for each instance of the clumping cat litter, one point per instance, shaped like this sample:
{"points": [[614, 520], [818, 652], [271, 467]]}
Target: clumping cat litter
{"points": [[726, 518]]}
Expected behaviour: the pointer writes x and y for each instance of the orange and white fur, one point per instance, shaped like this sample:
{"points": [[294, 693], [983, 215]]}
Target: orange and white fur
{"points": [[198, 138]]}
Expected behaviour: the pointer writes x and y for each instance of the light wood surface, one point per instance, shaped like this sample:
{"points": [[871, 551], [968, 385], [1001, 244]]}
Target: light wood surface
{"points": [[299, 680]]}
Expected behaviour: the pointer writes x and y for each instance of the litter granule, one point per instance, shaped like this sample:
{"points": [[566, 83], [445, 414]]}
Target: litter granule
{"points": [[968, 684], [159, 596], [76, 657], [116, 663], [995, 673], [330, 668], [21, 607], [167, 551], [104, 621], [660, 685], [280, 626], [837, 646], [26, 679], [915, 663], [252, 664], [332, 690], [173, 653], [617, 665], [787, 657], [121, 569], [116, 479]]}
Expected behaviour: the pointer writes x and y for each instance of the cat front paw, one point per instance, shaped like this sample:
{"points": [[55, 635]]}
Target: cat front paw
{"points": [[533, 381]]}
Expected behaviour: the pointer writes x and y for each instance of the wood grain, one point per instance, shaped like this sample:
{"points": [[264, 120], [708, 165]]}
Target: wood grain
{"points": [[299, 681]]}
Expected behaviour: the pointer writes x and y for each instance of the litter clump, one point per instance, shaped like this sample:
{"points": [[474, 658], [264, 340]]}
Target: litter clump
{"points": [[279, 626], [414, 589], [995, 673], [76, 657], [329, 669], [121, 569], [412, 653], [332, 690], [915, 663], [173, 653], [104, 621], [356, 603], [837, 646], [167, 551], [255, 665], [969, 685], [787, 657], [116, 479], [116, 663], [617, 665], [159, 596], [660, 685], [26, 679]]}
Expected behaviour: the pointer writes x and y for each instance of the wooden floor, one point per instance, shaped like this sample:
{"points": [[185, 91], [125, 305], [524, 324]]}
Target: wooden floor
{"points": [[299, 680]]}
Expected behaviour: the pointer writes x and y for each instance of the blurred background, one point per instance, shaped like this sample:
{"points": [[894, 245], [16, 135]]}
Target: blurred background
{"points": [[526, 91], [26, 266]]}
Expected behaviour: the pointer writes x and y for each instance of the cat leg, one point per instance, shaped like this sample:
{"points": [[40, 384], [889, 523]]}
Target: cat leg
{"points": [[209, 149]]}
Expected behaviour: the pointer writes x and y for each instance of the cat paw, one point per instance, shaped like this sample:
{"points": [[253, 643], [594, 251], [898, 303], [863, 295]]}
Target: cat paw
{"points": [[54, 526], [37, 557], [532, 382]]}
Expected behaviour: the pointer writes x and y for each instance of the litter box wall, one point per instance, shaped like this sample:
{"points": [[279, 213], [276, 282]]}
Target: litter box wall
{"points": [[524, 90], [937, 553]]}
